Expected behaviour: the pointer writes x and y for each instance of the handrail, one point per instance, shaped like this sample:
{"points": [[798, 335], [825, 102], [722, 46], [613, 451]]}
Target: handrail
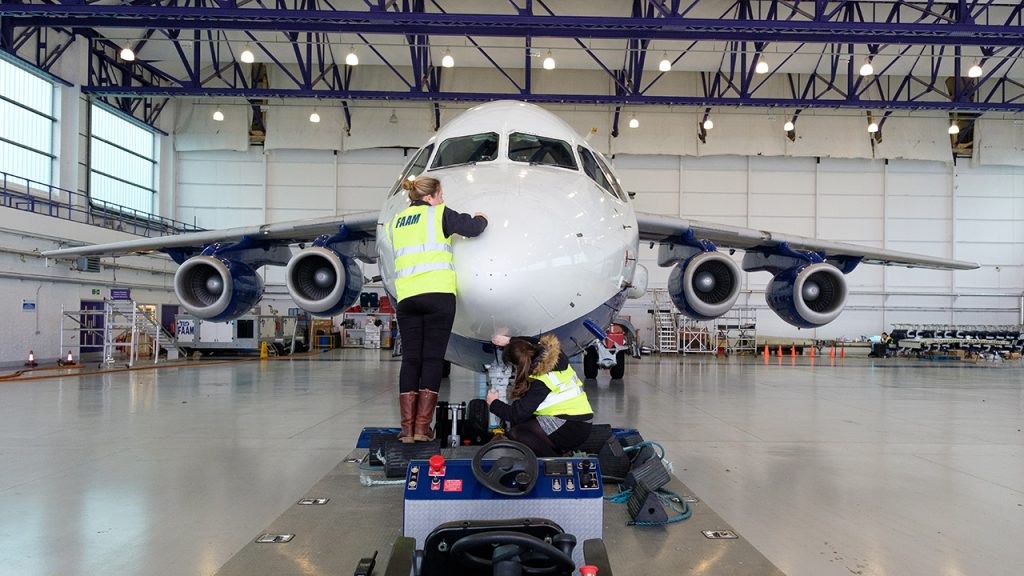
{"points": [[39, 198]]}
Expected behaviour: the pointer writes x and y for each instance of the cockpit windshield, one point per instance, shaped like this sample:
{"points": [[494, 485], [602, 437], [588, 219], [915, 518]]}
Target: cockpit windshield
{"points": [[414, 169], [540, 150], [466, 150]]}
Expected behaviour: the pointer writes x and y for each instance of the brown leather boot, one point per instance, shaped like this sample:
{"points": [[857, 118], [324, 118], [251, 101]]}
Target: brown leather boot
{"points": [[424, 416], [407, 405]]}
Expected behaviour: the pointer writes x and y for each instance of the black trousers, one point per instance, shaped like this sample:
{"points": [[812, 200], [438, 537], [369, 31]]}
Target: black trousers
{"points": [[425, 322], [567, 438]]}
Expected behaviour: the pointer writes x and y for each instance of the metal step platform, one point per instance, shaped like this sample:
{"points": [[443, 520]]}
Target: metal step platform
{"points": [[340, 520]]}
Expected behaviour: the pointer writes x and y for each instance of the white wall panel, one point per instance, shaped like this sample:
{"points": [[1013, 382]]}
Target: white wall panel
{"points": [[856, 207], [710, 205], [856, 178], [856, 230]]}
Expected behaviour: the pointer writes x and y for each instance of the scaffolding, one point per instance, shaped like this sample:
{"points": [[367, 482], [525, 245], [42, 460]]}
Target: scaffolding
{"points": [[737, 330], [666, 327], [127, 328], [696, 337]]}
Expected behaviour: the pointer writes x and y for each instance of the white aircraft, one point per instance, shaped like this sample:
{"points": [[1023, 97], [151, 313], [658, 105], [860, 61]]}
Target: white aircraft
{"points": [[559, 254]]}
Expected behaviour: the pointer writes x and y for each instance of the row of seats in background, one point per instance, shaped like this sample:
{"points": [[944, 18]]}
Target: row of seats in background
{"points": [[1006, 342]]}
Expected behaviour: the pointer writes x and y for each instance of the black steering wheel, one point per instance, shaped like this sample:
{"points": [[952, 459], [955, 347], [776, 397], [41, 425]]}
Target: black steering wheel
{"points": [[505, 545], [510, 475]]}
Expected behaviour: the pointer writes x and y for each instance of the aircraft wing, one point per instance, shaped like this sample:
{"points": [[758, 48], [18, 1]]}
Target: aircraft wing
{"points": [[361, 223], [664, 228]]}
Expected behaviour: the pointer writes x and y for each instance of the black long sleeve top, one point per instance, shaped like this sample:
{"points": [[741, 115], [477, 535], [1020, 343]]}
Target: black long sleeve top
{"points": [[522, 409], [453, 222]]}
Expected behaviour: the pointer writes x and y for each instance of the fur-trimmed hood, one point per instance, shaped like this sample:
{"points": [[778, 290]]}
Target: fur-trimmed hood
{"points": [[548, 358]]}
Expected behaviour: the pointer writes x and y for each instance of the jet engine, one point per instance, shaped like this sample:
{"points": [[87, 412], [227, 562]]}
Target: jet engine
{"points": [[705, 286], [807, 296], [217, 289], [322, 281]]}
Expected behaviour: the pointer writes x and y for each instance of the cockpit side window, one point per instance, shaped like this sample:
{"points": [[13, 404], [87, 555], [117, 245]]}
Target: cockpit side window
{"points": [[466, 150], [415, 168], [611, 178], [594, 171], [540, 150]]}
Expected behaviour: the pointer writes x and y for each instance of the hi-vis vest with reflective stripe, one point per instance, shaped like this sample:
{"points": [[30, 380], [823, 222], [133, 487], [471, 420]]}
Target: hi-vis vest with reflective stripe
{"points": [[565, 395], [423, 256]]}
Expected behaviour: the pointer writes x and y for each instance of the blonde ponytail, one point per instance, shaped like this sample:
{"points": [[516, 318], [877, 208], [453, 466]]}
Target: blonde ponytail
{"points": [[421, 187]]}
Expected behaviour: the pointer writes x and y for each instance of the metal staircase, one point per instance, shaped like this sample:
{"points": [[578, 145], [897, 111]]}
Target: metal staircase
{"points": [[132, 327], [666, 326]]}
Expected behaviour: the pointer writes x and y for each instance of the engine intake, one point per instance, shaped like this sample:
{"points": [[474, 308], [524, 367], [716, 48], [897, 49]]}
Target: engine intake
{"points": [[705, 286], [808, 296], [217, 289], [322, 281]]}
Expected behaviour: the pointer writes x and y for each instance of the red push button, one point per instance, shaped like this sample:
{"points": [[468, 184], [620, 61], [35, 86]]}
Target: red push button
{"points": [[588, 570], [436, 464]]}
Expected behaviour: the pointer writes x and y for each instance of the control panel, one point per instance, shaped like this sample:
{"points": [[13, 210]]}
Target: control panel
{"points": [[559, 478]]}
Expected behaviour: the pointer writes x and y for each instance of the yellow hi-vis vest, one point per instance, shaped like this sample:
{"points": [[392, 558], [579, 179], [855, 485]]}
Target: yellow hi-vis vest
{"points": [[423, 255], [565, 395]]}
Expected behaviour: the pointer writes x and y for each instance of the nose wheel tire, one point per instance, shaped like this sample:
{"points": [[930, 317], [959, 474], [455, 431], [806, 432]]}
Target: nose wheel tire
{"points": [[590, 363], [619, 370]]}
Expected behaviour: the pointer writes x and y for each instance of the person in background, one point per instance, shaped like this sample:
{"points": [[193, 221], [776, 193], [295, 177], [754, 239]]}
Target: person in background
{"points": [[548, 409], [425, 284]]}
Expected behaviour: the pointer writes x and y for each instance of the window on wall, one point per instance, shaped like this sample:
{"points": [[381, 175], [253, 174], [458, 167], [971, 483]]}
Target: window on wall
{"points": [[122, 161], [26, 126]]}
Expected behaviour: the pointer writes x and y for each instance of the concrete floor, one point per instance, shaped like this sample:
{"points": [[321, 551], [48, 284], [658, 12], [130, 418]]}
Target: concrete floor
{"points": [[892, 467]]}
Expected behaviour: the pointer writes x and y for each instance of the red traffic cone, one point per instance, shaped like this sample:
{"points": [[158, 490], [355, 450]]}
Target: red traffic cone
{"points": [[31, 360], [832, 354], [70, 361], [842, 352]]}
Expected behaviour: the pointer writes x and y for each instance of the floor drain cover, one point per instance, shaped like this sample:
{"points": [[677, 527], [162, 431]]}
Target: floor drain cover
{"points": [[720, 534], [274, 538]]}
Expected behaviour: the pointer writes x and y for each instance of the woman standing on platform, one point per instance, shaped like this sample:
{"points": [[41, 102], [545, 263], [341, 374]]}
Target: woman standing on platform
{"points": [[425, 285]]}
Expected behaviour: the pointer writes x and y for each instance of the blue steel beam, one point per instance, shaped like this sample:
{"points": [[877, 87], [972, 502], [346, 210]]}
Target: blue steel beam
{"points": [[966, 32], [1009, 104]]}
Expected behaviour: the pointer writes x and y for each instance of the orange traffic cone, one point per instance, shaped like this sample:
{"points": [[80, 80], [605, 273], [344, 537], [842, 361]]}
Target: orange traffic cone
{"points": [[31, 360], [70, 361], [767, 352], [812, 351], [792, 350], [832, 354], [842, 352], [779, 351]]}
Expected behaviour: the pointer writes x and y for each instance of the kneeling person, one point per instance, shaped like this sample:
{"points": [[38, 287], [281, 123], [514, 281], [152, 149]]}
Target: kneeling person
{"points": [[548, 409]]}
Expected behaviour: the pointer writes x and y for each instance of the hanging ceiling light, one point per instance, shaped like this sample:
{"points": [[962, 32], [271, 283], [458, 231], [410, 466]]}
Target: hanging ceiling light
{"points": [[872, 127], [708, 124], [762, 65], [549, 62], [633, 122], [867, 69], [954, 129], [394, 118], [127, 54], [352, 59], [665, 65], [247, 56], [975, 71], [788, 126], [314, 117], [448, 61], [218, 115]]}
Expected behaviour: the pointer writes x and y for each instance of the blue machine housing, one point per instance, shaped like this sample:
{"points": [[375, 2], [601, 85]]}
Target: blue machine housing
{"points": [[246, 290], [785, 294]]}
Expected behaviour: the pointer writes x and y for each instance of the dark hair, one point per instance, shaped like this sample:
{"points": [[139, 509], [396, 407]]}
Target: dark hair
{"points": [[521, 354]]}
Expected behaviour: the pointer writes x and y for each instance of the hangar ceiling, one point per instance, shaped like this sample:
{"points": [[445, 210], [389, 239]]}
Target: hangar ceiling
{"points": [[812, 52]]}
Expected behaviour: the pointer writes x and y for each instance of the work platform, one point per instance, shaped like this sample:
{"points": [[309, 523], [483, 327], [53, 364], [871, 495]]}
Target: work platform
{"points": [[357, 520]]}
